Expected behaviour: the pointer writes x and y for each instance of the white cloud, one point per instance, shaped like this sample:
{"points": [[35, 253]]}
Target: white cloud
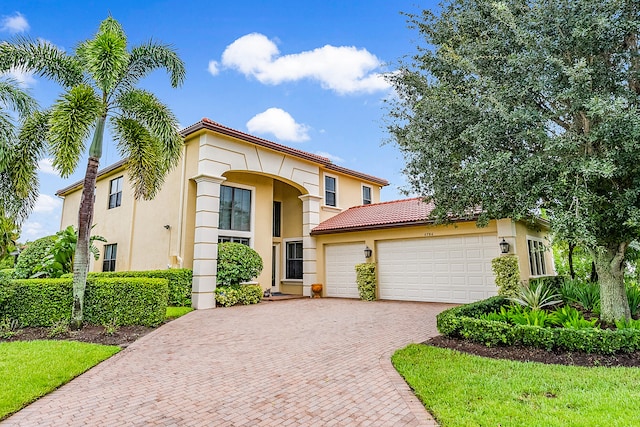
{"points": [[14, 24], [213, 68], [30, 231], [343, 69], [329, 156], [279, 123], [47, 204], [46, 166], [24, 78]]}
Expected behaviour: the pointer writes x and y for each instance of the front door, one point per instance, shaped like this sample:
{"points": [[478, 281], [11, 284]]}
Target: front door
{"points": [[275, 268]]}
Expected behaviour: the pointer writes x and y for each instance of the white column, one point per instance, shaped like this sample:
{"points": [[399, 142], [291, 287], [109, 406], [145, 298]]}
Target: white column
{"points": [[205, 244], [310, 219]]}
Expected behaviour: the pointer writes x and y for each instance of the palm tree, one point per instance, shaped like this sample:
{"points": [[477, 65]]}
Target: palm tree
{"points": [[100, 79]]}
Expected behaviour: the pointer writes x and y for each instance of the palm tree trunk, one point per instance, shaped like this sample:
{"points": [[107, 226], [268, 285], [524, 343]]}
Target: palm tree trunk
{"points": [[609, 263], [81, 257]]}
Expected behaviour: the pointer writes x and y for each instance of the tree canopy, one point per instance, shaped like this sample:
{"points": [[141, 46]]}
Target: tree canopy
{"points": [[516, 106]]}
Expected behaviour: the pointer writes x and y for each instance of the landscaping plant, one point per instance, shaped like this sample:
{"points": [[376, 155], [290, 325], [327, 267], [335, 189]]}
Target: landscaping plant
{"points": [[99, 78], [237, 263], [536, 296]]}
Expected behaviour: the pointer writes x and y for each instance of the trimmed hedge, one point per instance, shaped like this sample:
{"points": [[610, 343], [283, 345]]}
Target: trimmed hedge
{"points": [[226, 296], [507, 274], [179, 282], [463, 322], [237, 263], [123, 301], [366, 279]]}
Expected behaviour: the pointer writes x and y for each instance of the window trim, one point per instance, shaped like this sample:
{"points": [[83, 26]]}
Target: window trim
{"points": [[111, 261], [335, 192], [118, 201], [285, 258], [537, 255], [363, 186], [234, 233]]}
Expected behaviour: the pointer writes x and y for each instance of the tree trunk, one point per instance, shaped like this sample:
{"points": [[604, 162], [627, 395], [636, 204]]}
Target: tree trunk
{"points": [[572, 272], [81, 257], [609, 263]]}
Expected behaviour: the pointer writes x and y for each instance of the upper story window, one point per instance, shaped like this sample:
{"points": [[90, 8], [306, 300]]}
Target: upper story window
{"points": [[330, 198], [109, 259], [536, 257], [115, 192], [235, 209], [231, 239], [366, 195]]}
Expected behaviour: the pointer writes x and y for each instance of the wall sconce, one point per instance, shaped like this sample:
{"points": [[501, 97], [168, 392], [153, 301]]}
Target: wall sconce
{"points": [[167, 227], [367, 252], [504, 246]]}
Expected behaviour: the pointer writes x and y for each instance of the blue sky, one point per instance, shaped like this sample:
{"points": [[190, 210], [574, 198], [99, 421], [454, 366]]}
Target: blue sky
{"points": [[304, 74]]}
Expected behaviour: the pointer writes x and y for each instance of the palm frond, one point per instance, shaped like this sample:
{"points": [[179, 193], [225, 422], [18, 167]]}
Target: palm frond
{"points": [[14, 98], [149, 57], [31, 146], [42, 58], [72, 118], [157, 118], [144, 153], [105, 57]]}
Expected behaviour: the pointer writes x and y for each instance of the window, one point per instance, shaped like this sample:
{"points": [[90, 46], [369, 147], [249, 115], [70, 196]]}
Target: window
{"points": [[226, 239], [294, 260], [536, 257], [235, 209], [330, 191], [115, 192], [109, 260], [277, 214], [366, 195]]}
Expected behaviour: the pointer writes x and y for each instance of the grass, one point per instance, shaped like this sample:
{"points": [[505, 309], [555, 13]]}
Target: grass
{"points": [[464, 390], [175, 312], [31, 369]]}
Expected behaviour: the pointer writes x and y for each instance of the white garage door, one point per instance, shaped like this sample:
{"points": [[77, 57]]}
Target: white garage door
{"points": [[340, 274], [438, 269]]}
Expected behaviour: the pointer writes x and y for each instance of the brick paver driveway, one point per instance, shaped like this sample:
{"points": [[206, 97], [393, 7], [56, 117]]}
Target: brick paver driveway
{"points": [[311, 362]]}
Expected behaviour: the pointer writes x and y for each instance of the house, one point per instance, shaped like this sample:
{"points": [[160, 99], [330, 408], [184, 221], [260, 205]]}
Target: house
{"points": [[309, 219]]}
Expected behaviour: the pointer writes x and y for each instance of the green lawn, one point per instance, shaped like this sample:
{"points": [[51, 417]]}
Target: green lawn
{"points": [[31, 369], [464, 390], [175, 312]]}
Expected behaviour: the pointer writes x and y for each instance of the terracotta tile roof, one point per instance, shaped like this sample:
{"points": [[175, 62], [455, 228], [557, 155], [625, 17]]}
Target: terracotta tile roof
{"points": [[324, 161], [379, 215]]}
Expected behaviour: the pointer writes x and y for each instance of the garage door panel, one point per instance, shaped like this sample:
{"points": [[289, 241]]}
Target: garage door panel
{"points": [[340, 273], [448, 269]]}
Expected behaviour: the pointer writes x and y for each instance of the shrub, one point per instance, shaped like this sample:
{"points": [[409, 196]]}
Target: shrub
{"points": [[179, 280], [132, 301], [535, 296], [237, 263], [587, 294], [366, 279], [7, 262], [507, 274], [633, 296], [7, 273], [550, 282], [31, 257], [226, 296], [465, 322]]}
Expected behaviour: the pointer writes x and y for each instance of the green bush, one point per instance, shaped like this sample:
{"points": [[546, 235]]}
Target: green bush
{"points": [[366, 279], [226, 296], [179, 282], [7, 273], [465, 322], [507, 274], [128, 301], [237, 263], [31, 257], [7, 262]]}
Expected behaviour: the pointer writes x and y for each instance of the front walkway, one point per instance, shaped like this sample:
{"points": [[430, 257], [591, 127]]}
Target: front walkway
{"points": [[311, 362]]}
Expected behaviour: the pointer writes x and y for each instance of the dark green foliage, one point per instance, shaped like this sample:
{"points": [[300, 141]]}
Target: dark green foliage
{"points": [[507, 274], [179, 282], [587, 294], [467, 322], [130, 301], [31, 257], [366, 279], [227, 296], [237, 263], [633, 295], [554, 283], [59, 260]]}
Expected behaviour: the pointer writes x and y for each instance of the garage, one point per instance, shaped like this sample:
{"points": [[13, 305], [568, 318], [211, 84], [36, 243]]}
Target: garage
{"points": [[340, 274], [437, 269]]}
